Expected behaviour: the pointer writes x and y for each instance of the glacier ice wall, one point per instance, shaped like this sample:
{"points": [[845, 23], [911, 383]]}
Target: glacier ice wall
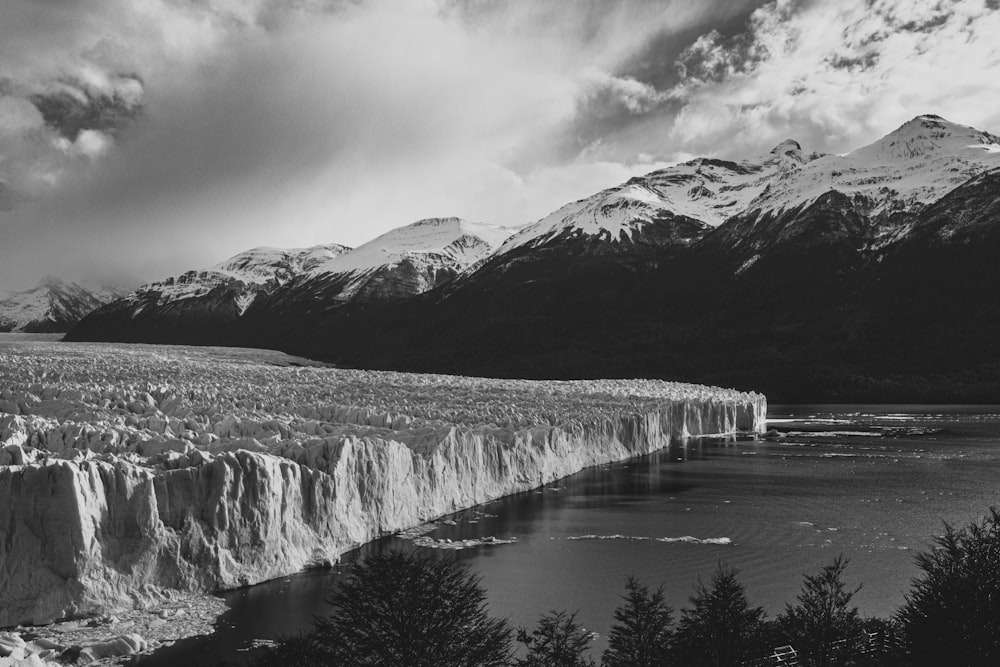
{"points": [[128, 471]]}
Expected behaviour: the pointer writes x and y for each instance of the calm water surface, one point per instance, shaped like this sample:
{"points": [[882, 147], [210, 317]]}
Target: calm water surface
{"points": [[870, 482]]}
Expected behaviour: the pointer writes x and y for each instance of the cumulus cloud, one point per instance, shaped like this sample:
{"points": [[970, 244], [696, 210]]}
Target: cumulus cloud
{"points": [[615, 93], [176, 133], [838, 73], [165, 135]]}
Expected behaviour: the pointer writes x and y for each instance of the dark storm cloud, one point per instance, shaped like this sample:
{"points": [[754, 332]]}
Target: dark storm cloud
{"points": [[72, 108]]}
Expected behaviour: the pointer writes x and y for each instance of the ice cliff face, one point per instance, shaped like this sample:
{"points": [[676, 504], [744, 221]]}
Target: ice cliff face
{"points": [[52, 306], [125, 472]]}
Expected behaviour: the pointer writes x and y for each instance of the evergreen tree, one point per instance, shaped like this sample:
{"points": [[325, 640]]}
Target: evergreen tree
{"points": [[952, 614], [404, 609], [721, 629], [558, 641], [822, 615], [641, 635]]}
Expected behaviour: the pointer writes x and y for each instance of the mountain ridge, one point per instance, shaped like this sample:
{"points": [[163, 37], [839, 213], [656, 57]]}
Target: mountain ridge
{"points": [[52, 306], [768, 273], [201, 305]]}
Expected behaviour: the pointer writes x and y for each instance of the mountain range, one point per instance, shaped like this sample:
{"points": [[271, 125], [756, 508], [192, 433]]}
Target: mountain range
{"points": [[52, 306], [210, 304], [864, 276]]}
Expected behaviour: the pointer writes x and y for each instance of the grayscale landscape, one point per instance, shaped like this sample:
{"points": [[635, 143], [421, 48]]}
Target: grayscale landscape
{"points": [[489, 334]]}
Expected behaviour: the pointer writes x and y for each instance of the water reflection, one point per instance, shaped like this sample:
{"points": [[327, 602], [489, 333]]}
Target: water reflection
{"points": [[787, 503]]}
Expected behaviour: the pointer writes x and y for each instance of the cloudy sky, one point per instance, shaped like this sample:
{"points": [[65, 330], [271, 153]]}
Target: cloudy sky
{"points": [[141, 138]]}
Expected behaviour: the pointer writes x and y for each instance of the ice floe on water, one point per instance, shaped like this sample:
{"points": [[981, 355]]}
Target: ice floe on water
{"points": [[457, 545], [685, 539]]}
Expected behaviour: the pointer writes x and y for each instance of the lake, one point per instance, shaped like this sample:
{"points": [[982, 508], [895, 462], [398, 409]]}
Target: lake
{"points": [[871, 482]]}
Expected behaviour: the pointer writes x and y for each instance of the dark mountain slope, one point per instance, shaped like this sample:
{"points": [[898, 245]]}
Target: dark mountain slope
{"points": [[817, 316], [862, 277]]}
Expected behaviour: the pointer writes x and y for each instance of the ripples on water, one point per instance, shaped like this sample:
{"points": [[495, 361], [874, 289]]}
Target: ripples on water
{"points": [[873, 483]]}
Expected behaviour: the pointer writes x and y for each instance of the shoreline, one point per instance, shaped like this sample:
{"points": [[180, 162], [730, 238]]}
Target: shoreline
{"points": [[179, 616], [133, 472]]}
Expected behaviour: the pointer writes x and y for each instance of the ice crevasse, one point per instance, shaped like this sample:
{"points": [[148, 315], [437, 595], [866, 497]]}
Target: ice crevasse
{"points": [[130, 472]]}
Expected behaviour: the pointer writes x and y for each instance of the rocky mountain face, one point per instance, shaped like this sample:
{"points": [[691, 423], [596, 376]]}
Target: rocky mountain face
{"points": [[864, 276], [52, 306]]}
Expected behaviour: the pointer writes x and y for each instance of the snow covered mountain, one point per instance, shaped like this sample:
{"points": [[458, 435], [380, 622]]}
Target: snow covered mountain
{"points": [[403, 262], [909, 168], [261, 266], [863, 275], [194, 302], [684, 202], [884, 182], [52, 306], [199, 304], [230, 287]]}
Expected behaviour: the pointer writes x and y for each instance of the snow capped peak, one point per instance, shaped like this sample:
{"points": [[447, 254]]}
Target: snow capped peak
{"points": [[786, 146], [926, 135], [914, 165], [787, 156], [50, 282], [707, 190], [454, 241], [52, 305], [911, 166], [263, 264], [616, 213], [432, 249]]}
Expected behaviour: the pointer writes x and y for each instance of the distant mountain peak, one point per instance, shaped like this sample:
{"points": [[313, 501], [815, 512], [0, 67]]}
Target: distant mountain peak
{"points": [[49, 281], [265, 264], [453, 241], [923, 135], [439, 222], [786, 146], [53, 305], [401, 262]]}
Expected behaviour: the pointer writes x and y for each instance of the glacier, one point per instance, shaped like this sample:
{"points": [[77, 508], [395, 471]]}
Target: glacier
{"points": [[128, 473]]}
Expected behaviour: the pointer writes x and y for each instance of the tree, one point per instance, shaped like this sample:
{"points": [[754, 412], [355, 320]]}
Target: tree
{"points": [[952, 614], [641, 636], [822, 615], [721, 629], [558, 641], [405, 609]]}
